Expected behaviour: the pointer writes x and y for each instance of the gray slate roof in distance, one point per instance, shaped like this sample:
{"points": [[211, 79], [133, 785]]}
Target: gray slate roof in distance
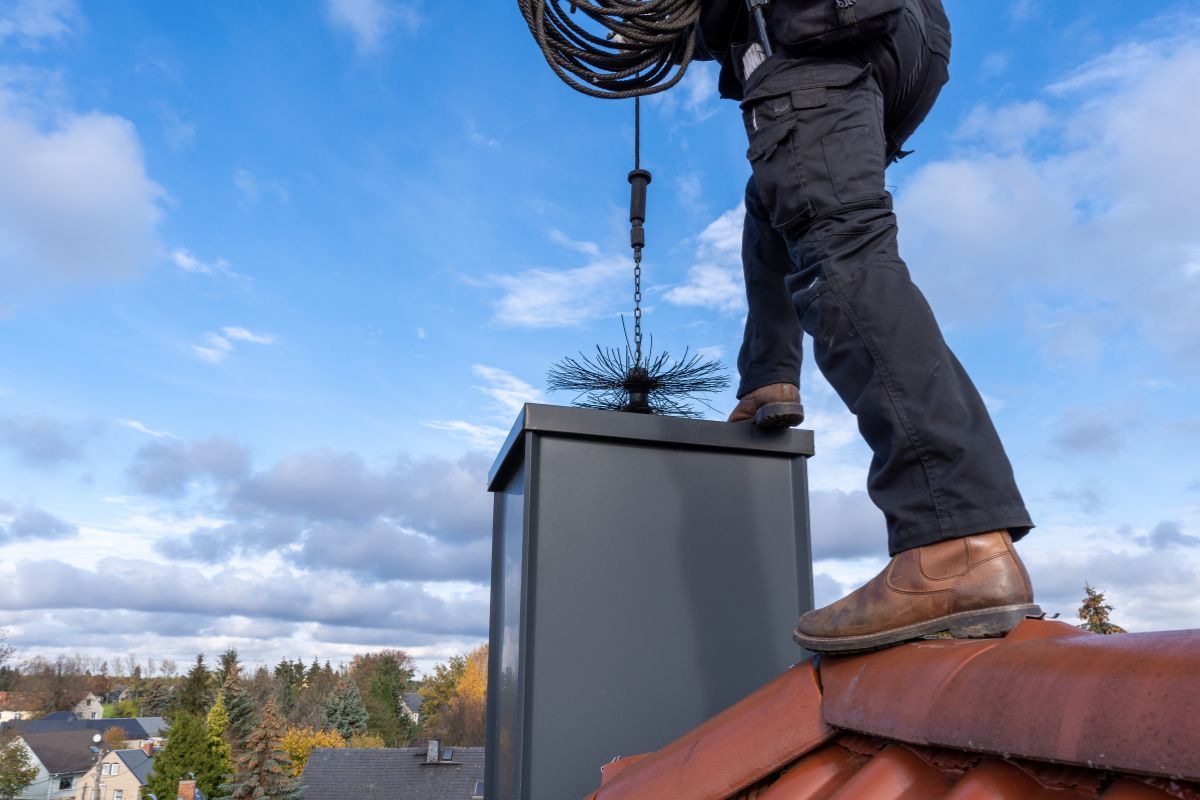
{"points": [[133, 729], [138, 763], [413, 701], [62, 752], [152, 725], [397, 773]]}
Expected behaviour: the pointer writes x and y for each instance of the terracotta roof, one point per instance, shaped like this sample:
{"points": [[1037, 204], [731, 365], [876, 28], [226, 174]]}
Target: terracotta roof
{"points": [[17, 701], [1047, 712]]}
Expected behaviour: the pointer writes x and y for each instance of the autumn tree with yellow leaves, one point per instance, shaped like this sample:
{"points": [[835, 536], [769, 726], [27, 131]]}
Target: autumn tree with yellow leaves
{"points": [[300, 741], [454, 700]]}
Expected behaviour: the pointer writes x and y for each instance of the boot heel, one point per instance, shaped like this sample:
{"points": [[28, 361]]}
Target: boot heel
{"points": [[779, 415], [992, 622]]}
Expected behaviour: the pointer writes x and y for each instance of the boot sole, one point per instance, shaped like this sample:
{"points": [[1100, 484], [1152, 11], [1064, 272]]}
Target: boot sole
{"points": [[779, 415], [982, 624]]}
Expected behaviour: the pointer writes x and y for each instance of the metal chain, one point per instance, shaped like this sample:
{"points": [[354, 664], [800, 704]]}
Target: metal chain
{"points": [[637, 253]]}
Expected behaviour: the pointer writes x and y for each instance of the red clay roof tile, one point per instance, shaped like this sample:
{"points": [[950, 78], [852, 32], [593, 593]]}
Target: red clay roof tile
{"points": [[930, 711], [1048, 691], [755, 737]]}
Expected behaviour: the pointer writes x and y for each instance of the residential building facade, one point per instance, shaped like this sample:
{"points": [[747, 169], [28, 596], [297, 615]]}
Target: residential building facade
{"points": [[120, 775], [61, 758]]}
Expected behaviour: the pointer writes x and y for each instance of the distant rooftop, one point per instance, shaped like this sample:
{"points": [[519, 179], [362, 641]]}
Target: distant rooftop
{"points": [[62, 752], [1047, 712], [392, 774]]}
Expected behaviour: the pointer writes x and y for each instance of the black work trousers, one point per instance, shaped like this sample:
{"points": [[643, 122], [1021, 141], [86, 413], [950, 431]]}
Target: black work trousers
{"points": [[820, 255]]}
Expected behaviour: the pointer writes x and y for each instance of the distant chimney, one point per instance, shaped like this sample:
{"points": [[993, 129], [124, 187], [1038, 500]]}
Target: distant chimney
{"points": [[432, 756], [148, 747], [187, 790]]}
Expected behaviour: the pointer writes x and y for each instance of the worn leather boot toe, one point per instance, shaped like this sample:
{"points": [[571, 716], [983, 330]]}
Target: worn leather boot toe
{"points": [[971, 587], [776, 405]]}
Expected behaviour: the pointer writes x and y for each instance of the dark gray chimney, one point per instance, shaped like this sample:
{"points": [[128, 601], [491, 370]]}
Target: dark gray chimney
{"points": [[647, 573]]}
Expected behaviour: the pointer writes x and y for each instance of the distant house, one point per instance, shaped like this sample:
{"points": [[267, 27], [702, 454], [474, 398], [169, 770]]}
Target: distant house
{"points": [[398, 773], [16, 706], [410, 704], [120, 775], [62, 758], [90, 707]]}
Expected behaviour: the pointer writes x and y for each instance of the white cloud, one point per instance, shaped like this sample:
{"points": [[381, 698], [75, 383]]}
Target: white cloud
{"points": [[587, 248], [1025, 10], [695, 95], [508, 391], [32, 22], [75, 200], [253, 188], [1007, 128], [509, 395], [715, 281], [479, 137], [370, 21], [710, 286], [134, 424], [219, 346], [542, 298], [995, 64], [187, 262], [179, 133], [215, 350], [488, 437], [699, 85], [240, 334], [1098, 208]]}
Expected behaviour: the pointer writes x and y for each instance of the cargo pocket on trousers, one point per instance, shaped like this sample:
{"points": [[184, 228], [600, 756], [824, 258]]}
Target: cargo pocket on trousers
{"points": [[775, 174], [854, 158]]}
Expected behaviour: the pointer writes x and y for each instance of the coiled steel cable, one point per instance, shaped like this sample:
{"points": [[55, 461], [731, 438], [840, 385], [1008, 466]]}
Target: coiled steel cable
{"points": [[647, 49]]}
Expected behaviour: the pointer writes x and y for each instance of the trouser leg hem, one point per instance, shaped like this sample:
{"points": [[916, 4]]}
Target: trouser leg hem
{"points": [[954, 526]]}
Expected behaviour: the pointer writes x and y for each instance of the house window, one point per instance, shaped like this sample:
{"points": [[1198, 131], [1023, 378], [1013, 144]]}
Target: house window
{"points": [[477, 792], [65, 783], [104, 769], [118, 794], [116, 769]]}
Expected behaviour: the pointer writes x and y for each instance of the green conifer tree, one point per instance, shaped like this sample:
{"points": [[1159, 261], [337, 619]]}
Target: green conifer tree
{"points": [[188, 750], [218, 743], [344, 711], [240, 707], [263, 768], [195, 696], [158, 700], [1094, 613], [229, 666]]}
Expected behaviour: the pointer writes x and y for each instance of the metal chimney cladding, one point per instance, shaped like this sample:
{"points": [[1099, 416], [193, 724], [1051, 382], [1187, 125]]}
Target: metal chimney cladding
{"points": [[647, 572]]}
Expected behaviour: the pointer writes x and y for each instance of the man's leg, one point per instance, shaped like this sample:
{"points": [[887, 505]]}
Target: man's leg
{"points": [[938, 471], [769, 359]]}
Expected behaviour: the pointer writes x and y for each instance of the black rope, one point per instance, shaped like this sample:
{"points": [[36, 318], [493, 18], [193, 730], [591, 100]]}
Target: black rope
{"points": [[647, 46]]}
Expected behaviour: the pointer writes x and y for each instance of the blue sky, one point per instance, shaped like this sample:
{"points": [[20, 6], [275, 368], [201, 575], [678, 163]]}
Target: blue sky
{"points": [[275, 278]]}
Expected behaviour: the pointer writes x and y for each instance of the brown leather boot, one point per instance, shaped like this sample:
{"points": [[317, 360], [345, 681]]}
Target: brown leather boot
{"points": [[972, 587], [776, 405]]}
